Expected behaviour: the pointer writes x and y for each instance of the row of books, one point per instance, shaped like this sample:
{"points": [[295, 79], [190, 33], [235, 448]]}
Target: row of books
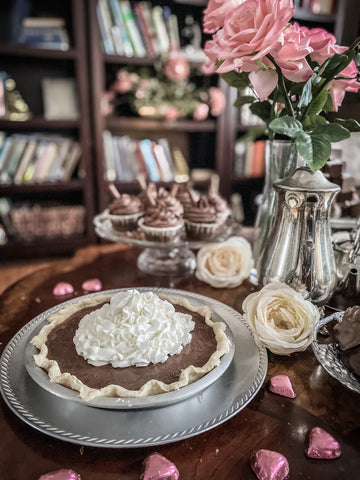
{"points": [[249, 159], [37, 158], [137, 29], [126, 158], [44, 32], [323, 7]]}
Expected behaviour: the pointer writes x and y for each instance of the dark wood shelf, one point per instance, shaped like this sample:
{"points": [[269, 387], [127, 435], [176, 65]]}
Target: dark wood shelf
{"points": [[306, 15], [41, 247], [31, 188], [38, 123], [138, 123], [19, 50]]}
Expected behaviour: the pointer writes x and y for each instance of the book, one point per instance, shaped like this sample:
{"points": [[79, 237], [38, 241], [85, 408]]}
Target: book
{"points": [[104, 22], [130, 157], [25, 161], [132, 29], [258, 159], [31, 167], [114, 7], [150, 161], [59, 98], [7, 174], [56, 169], [162, 35], [6, 152], [144, 29], [166, 174], [109, 160], [45, 162], [71, 161], [164, 143], [146, 9]]}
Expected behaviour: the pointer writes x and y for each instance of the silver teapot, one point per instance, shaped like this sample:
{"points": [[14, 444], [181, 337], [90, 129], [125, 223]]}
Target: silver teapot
{"points": [[299, 250]]}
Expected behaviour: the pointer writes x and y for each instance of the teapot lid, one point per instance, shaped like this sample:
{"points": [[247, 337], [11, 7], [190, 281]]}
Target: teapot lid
{"points": [[304, 179]]}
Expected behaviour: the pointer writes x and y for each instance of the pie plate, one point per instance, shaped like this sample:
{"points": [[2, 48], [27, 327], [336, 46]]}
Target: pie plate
{"points": [[137, 422]]}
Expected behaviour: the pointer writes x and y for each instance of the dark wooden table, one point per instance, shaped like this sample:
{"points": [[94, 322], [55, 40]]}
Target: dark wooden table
{"points": [[270, 421]]}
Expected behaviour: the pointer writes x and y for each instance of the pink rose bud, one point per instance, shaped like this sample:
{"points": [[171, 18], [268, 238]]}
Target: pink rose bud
{"points": [[172, 113], [322, 445], [61, 475], [177, 69], [281, 385], [157, 467], [92, 285], [269, 465], [63, 288], [201, 112]]}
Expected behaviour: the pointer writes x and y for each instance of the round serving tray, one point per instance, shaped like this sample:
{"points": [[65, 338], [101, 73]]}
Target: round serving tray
{"points": [[81, 423], [329, 356]]}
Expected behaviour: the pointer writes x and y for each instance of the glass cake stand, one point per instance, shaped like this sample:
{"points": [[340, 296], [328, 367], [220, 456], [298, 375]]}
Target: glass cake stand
{"points": [[161, 258]]}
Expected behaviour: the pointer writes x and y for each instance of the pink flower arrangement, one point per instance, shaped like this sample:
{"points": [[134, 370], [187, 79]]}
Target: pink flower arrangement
{"points": [[295, 73]]}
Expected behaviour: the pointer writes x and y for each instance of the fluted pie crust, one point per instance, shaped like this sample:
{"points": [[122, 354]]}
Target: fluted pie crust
{"points": [[151, 387]]}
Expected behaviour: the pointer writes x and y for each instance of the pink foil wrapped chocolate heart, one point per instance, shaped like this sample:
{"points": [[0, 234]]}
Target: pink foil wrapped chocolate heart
{"points": [[61, 475], [92, 285], [157, 467], [269, 465], [281, 385], [63, 288], [322, 445]]}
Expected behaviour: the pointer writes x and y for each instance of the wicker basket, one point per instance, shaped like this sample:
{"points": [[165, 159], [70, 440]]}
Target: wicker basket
{"points": [[58, 221]]}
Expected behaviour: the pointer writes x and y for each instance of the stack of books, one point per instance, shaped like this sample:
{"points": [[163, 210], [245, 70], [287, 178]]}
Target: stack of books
{"points": [[137, 30], [126, 158], [44, 32], [37, 158], [249, 159]]}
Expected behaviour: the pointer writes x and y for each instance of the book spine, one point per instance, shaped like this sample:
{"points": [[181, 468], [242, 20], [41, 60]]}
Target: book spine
{"points": [[116, 12], [160, 27], [145, 30], [25, 160], [258, 160], [8, 174], [132, 29], [146, 9], [105, 28], [72, 160], [109, 161], [150, 161]]}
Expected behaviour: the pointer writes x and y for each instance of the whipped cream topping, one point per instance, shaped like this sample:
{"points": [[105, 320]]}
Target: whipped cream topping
{"points": [[135, 328]]}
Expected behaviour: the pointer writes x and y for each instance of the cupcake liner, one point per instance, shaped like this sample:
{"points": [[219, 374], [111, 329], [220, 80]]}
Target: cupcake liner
{"points": [[123, 223], [163, 234], [201, 231]]}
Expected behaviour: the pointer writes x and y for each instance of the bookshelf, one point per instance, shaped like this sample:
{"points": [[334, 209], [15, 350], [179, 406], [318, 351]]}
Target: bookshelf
{"points": [[200, 142], [28, 65]]}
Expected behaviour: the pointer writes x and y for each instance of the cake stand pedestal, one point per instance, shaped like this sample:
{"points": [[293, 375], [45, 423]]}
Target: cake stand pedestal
{"points": [[167, 260]]}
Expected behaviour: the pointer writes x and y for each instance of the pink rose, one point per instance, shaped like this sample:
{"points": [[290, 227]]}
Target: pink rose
{"points": [[217, 101], [123, 82], [337, 88], [201, 112], [106, 106], [215, 13], [172, 113], [177, 69], [323, 44], [290, 56]]}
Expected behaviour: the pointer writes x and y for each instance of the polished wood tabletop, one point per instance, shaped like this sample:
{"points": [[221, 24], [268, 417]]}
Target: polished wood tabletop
{"points": [[269, 421]]}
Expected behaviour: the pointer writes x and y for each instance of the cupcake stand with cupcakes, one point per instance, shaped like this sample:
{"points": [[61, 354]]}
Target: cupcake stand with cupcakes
{"points": [[167, 224]]}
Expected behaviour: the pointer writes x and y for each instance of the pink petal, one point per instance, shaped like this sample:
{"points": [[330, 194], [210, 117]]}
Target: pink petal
{"points": [[92, 285], [264, 82], [63, 288], [158, 467], [269, 465], [61, 475], [281, 385], [322, 445]]}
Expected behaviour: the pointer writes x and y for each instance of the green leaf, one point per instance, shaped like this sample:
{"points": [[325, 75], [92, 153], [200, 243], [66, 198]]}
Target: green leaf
{"points": [[236, 79], [332, 132], [306, 94], [262, 110], [286, 126], [317, 103], [313, 121], [336, 64], [313, 149], [350, 124], [243, 100]]}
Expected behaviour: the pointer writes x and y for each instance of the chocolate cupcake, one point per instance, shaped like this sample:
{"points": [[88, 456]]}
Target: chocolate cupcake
{"points": [[201, 220], [124, 212]]}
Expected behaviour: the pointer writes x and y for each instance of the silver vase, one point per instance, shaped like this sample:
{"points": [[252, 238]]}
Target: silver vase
{"points": [[298, 250]]}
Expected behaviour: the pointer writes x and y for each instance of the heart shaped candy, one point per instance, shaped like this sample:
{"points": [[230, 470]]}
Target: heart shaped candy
{"points": [[281, 385], [269, 465], [321, 444], [63, 288], [61, 475], [92, 285], [157, 467]]}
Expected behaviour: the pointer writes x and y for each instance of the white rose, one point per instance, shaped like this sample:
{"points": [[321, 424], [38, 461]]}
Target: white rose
{"points": [[225, 264], [282, 320]]}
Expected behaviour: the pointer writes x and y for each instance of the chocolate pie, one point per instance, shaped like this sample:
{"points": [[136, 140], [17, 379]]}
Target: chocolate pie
{"points": [[59, 356]]}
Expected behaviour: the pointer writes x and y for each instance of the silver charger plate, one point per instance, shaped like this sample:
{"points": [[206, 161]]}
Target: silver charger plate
{"points": [[42, 379], [83, 424], [329, 356]]}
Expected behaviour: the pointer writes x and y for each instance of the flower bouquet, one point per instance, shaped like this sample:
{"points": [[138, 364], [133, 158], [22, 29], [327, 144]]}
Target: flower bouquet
{"points": [[296, 74]]}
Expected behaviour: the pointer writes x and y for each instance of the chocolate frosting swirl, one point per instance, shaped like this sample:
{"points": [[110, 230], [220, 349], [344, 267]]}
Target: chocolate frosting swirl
{"points": [[161, 218], [201, 212], [125, 205]]}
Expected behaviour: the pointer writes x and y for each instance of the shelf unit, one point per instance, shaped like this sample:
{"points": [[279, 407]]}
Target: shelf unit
{"points": [[27, 66], [205, 137]]}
